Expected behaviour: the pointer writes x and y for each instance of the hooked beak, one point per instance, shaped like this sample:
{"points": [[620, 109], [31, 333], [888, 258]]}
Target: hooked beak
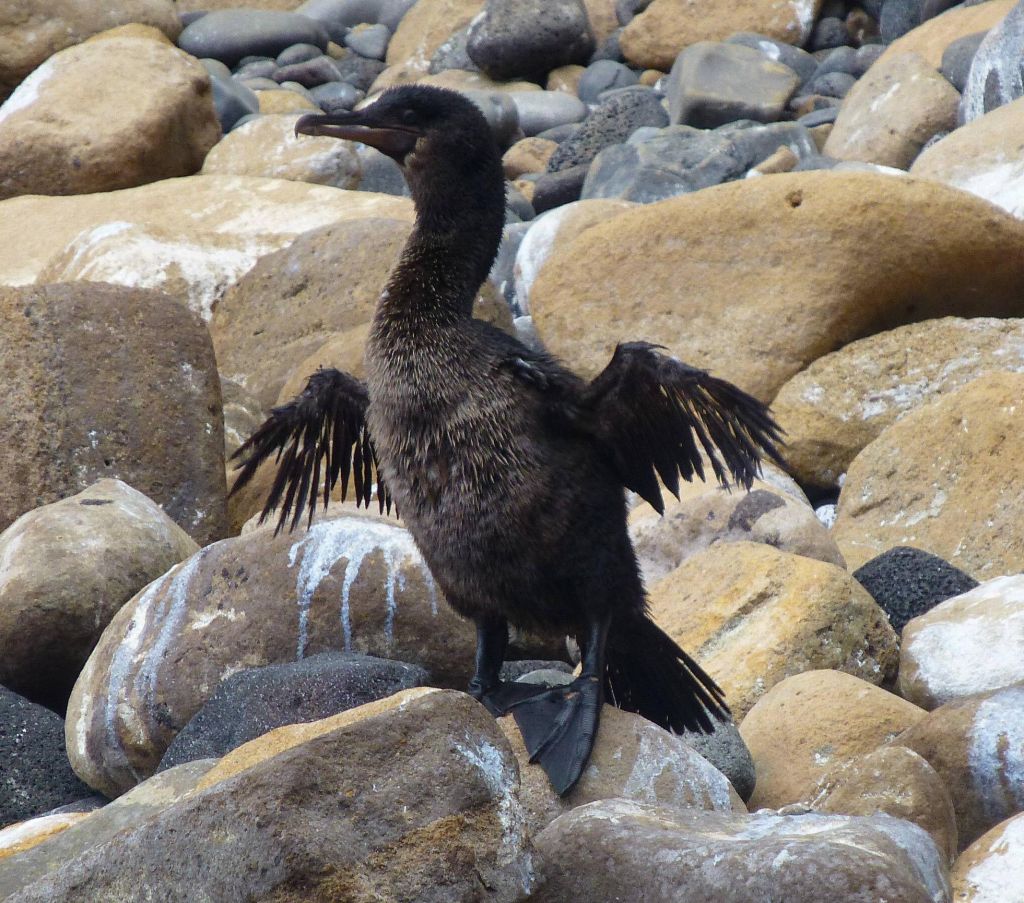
{"points": [[361, 125]]}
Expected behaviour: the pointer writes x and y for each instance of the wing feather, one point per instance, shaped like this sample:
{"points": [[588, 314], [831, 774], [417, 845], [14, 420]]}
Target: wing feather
{"points": [[656, 414], [320, 435]]}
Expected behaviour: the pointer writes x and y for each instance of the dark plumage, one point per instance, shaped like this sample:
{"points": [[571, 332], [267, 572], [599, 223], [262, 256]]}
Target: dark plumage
{"points": [[507, 468]]}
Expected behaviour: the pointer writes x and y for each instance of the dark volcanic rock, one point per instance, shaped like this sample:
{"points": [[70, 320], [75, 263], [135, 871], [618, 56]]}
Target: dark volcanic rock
{"points": [[907, 582], [611, 123], [529, 38], [257, 700], [35, 775]]}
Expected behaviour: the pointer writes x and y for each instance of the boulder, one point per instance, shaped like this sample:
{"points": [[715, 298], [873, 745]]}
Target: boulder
{"points": [[549, 231], [103, 381], [843, 401], [712, 84], [989, 871], [957, 499], [806, 726], [31, 31], [34, 770], [632, 759], [753, 615], [890, 113], [623, 850], [966, 645], [191, 237], [892, 780], [652, 39], [355, 584], [976, 744], [908, 249], [529, 38], [24, 835], [907, 582], [93, 829], [701, 520], [67, 569], [268, 146], [415, 798], [982, 157], [105, 115], [252, 702]]}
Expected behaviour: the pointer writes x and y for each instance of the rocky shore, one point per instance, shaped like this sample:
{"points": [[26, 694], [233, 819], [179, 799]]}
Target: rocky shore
{"points": [[822, 201]]}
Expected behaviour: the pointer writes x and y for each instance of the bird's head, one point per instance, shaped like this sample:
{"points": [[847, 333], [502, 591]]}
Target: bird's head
{"points": [[411, 124]]}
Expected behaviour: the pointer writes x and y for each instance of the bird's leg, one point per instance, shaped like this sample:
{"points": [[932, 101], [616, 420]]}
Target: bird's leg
{"points": [[496, 694], [559, 726]]}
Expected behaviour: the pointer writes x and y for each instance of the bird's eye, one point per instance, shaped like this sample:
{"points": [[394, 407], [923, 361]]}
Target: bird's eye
{"points": [[409, 117]]}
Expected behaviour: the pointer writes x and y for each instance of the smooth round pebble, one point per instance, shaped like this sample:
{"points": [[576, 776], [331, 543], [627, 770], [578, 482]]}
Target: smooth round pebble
{"points": [[370, 42], [603, 76]]}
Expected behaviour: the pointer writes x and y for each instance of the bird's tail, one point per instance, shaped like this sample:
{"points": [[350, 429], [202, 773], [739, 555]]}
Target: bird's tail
{"points": [[649, 674]]}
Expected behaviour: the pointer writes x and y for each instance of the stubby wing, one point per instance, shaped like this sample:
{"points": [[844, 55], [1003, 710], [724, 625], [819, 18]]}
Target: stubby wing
{"points": [[319, 435], [656, 413]]}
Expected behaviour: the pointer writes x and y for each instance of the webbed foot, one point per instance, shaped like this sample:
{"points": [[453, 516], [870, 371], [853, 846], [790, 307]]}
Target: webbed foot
{"points": [[559, 726]]}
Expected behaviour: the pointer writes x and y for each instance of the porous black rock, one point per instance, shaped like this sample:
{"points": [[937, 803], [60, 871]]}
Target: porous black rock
{"points": [[610, 123], [229, 35], [907, 582], [516, 669], [35, 774], [529, 38], [252, 702]]}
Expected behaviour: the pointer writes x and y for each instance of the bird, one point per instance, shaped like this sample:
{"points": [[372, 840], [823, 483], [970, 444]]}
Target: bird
{"points": [[509, 470]]}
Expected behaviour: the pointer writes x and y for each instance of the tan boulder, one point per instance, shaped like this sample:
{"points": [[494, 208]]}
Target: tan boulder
{"points": [[844, 400], [976, 745], [282, 101], [103, 381], [669, 272], [807, 725], [72, 127], [982, 157], [191, 237], [932, 37], [892, 780], [654, 37], [528, 155], [946, 479], [694, 523], [968, 644], [31, 31], [990, 869], [269, 147], [602, 17], [753, 615], [424, 28], [68, 567], [22, 836], [133, 30], [554, 230], [418, 802], [632, 759], [892, 110]]}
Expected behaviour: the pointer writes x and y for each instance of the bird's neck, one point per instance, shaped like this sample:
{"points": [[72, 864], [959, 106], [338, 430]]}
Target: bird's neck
{"points": [[450, 251]]}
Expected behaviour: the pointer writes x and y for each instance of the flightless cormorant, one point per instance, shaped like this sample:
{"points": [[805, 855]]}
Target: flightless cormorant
{"points": [[507, 468]]}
